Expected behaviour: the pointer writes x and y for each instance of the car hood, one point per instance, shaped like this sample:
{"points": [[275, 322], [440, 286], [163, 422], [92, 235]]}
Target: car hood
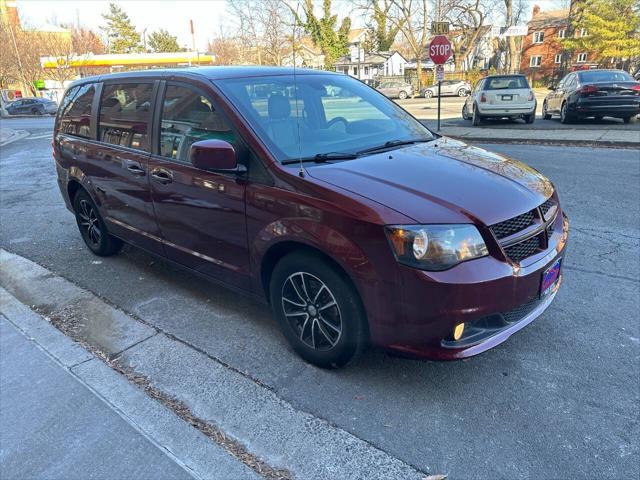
{"points": [[442, 181]]}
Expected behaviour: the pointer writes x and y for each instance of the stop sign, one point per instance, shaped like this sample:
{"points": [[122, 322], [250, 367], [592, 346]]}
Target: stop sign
{"points": [[440, 49]]}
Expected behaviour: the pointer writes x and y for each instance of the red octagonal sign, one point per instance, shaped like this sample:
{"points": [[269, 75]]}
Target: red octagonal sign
{"points": [[440, 49]]}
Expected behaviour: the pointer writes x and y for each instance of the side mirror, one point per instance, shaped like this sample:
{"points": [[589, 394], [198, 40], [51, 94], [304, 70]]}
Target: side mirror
{"points": [[214, 155]]}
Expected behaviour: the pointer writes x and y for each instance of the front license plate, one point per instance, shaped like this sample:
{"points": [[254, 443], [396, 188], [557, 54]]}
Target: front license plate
{"points": [[507, 98], [550, 277]]}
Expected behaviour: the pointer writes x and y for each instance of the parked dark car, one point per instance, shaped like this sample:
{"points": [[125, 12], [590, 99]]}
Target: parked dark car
{"points": [[593, 93], [32, 106], [344, 213]]}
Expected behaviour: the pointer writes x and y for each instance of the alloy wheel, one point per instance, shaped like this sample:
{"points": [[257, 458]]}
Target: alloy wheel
{"points": [[89, 222], [312, 311]]}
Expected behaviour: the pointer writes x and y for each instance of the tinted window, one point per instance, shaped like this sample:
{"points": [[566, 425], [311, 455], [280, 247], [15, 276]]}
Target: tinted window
{"points": [[76, 111], [604, 76], [125, 115], [502, 83], [314, 114], [189, 117]]}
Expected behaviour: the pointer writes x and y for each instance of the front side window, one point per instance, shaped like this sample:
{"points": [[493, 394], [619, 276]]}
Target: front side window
{"points": [[319, 114], [188, 117], [75, 118], [125, 115]]}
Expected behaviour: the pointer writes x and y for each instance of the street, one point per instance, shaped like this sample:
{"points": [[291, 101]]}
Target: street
{"points": [[557, 400]]}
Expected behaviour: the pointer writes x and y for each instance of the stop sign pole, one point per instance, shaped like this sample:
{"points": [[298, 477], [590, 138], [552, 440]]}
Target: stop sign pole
{"points": [[440, 51]]}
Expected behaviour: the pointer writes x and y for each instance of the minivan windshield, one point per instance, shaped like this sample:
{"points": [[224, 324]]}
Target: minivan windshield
{"points": [[320, 116]]}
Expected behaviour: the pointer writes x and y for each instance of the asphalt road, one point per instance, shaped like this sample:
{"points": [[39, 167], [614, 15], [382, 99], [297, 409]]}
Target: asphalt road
{"points": [[560, 399]]}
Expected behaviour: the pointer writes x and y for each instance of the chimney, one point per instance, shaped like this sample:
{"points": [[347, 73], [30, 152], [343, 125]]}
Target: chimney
{"points": [[536, 10]]}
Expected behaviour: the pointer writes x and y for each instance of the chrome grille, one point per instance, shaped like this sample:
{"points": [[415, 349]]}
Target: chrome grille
{"points": [[522, 250], [513, 225]]}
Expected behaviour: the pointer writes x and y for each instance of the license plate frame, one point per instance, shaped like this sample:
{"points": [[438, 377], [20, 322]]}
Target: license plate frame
{"points": [[550, 277]]}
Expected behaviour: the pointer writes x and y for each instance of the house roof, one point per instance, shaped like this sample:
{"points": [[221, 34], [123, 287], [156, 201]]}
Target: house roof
{"points": [[552, 18], [371, 58]]}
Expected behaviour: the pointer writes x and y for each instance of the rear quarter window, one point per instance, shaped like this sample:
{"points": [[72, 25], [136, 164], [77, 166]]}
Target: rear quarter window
{"points": [[75, 111]]}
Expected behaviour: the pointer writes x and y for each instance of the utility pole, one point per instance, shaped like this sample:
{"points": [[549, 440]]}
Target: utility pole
{"points": [[144, 39]]}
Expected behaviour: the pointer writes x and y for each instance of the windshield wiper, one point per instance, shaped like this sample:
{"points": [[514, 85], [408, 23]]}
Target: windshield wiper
{"points": [[394, 143], [322, 157]]}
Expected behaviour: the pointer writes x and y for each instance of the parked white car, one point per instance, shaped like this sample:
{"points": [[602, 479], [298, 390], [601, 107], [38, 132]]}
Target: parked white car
{"points": [[449, 87], [500, 96]]}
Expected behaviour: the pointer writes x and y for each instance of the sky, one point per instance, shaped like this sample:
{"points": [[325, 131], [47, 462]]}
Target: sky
{"points": [[208, 16]]}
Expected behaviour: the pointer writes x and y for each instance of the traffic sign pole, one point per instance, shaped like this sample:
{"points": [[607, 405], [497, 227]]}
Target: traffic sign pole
{"points": [[439, 87]]}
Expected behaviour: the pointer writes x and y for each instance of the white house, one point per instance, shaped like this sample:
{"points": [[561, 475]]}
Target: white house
{"points": [[367, 66]]}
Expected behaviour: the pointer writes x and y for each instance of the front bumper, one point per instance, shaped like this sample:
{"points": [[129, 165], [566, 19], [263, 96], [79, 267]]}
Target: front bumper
{"points": [[482, 290]]}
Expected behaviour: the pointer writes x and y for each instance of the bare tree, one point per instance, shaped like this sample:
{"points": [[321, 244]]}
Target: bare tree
{"points": [[225, 48], [467, 19], [411, 18], [9, 68]]}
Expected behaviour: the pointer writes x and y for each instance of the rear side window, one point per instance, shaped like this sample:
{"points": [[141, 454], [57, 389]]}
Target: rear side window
{"points": [[76, 111], [188, 117], [503, 83], [125, 115]]}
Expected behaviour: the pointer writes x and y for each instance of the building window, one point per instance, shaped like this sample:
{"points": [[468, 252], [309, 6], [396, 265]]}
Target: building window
{"points": [[582, 57], [535, 61], [366, 70], [355, 71], [584, 32], [562, 33], [538, 37], [558, 58]]}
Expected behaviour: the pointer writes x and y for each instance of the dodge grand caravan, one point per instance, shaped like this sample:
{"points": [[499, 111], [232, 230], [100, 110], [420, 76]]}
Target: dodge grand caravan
{"points": [[349, 217]]}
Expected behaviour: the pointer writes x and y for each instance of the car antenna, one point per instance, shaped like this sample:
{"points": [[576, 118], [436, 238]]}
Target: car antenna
{"points": [[295, 88]]}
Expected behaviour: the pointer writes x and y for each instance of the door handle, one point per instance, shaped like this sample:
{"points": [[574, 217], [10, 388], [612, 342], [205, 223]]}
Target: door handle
{"points": [[136, 169], [162, 176]]}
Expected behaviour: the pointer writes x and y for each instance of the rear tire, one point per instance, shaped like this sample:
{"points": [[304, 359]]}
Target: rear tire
{"points": [[462, 92], [428, 94], [318, 310], [92, 227], [465, 114], [565, 116], [530, 118], [402, 95], [477, 118], [36, 111], [545, 114]]}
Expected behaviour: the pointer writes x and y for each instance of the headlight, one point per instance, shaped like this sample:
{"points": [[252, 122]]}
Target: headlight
{"points": [[435, 247]]}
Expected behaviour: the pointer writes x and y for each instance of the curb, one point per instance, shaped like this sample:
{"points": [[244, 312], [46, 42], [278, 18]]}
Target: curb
{"points": [[549, 142]]}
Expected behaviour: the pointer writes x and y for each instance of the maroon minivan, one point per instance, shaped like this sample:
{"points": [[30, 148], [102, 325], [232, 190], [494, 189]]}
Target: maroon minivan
{"points": [[314, 192]]}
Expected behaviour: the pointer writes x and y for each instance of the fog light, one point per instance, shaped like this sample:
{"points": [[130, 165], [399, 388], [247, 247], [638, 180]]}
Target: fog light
{"points": [[457, 332]]}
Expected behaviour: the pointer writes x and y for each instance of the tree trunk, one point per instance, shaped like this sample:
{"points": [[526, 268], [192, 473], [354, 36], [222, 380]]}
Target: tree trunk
{"points": [[419, 72]]}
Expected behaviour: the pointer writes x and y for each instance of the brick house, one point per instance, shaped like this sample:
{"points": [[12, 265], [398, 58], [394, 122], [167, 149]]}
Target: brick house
{"points": [[541, 58]]}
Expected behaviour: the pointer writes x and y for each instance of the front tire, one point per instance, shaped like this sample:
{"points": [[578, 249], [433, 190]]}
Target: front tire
{"points": [[92, 227], [465, 113], [462, 92], [428, 94], [545, 114], [318, 310], [402, 95]]}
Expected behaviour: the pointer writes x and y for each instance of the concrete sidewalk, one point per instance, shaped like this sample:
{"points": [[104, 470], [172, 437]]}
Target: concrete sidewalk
{"points": [[66, 415], [54, 427]]}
